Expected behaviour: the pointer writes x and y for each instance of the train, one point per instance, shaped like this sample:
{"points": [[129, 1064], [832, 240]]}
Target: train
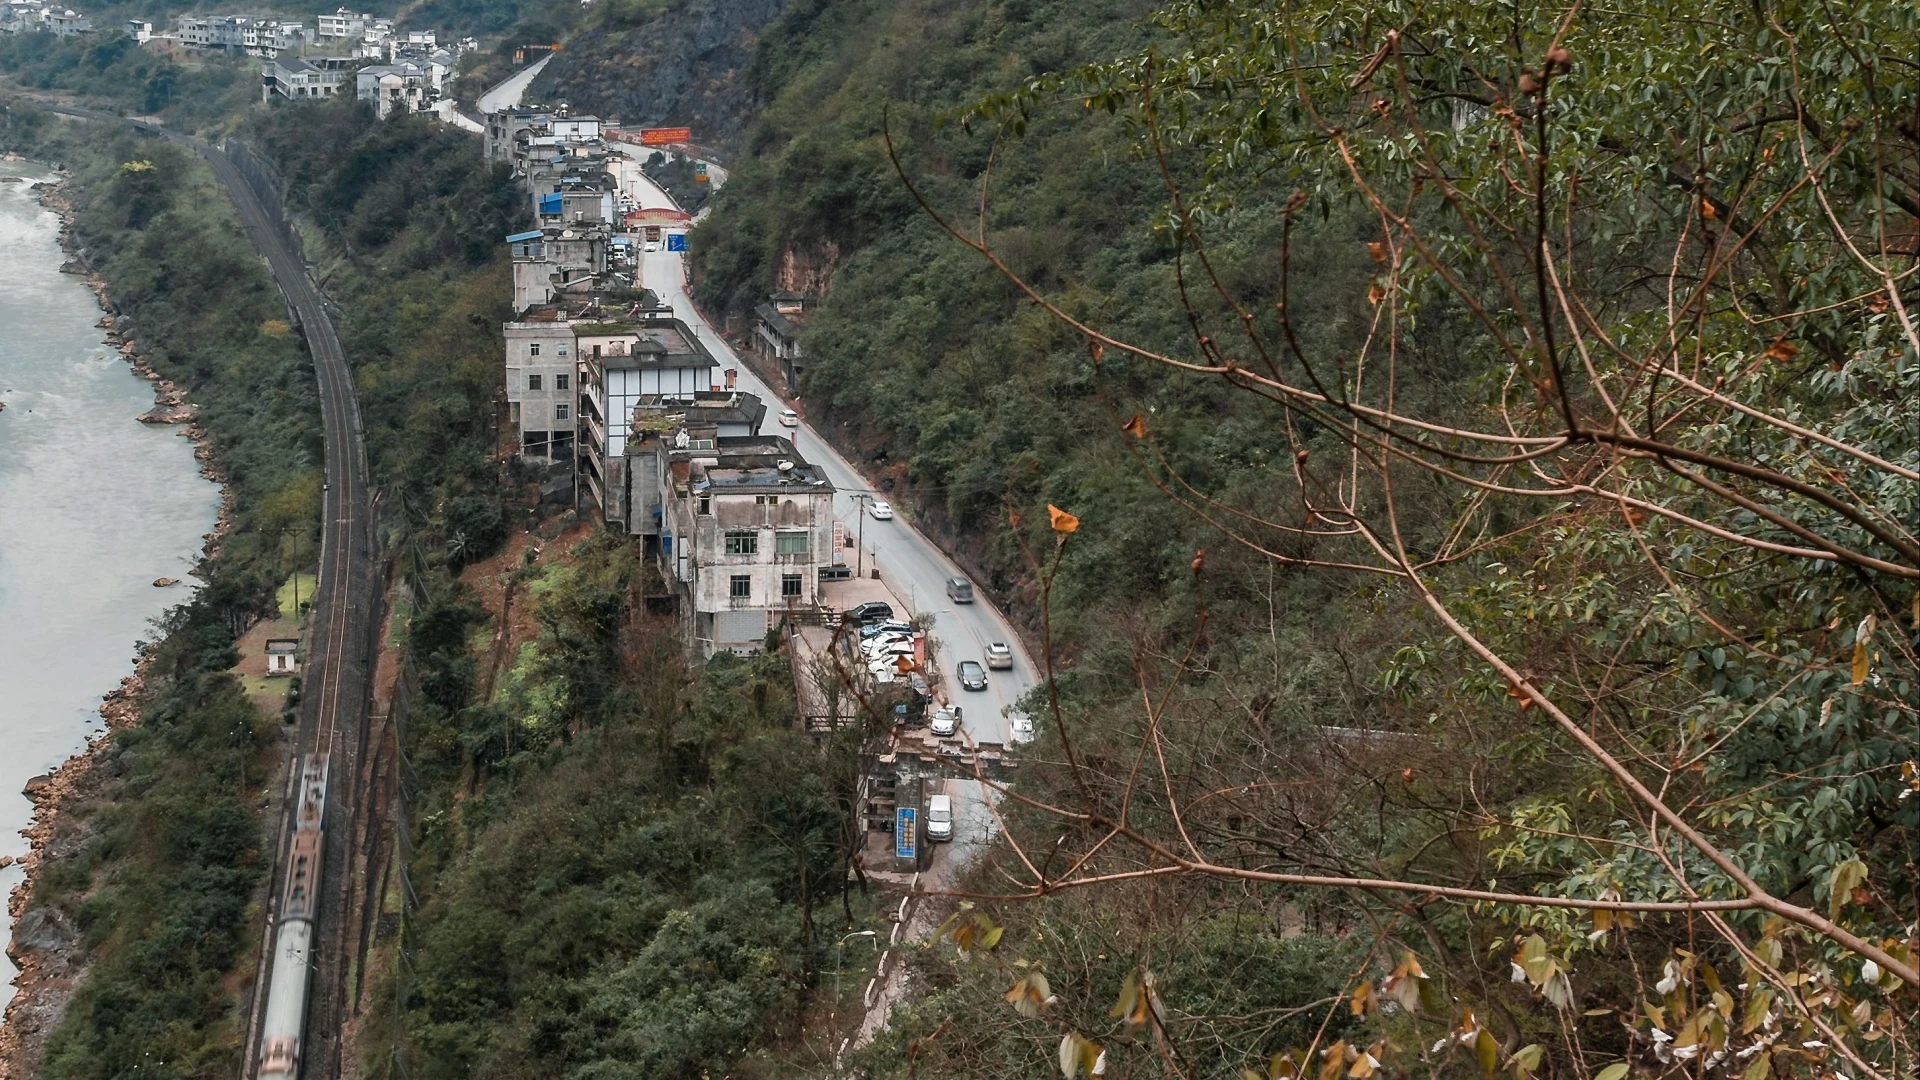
{"points": [[283, 1030]]}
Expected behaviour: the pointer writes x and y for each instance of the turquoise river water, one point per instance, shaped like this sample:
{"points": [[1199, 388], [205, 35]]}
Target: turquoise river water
{"points": [[94, 506]]}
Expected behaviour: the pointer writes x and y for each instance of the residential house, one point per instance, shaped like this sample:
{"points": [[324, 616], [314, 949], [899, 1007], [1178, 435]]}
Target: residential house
{"points": [[303, 78], [746, 528], [342, 25], [68, 22], [394, 88], [22, 16], [550, 261], [540, 388], [139, 30], [708, 414], [505, 127], [776, 335]]}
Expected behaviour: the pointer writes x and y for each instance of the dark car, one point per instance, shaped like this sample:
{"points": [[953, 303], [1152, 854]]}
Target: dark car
{"points": [[971, 675], [871, 611]]}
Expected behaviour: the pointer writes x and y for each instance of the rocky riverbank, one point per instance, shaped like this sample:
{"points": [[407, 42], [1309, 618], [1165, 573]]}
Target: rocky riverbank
{"points": [[45, 944]]}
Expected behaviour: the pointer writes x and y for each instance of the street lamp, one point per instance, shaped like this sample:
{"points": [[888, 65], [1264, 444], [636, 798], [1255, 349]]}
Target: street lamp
{"points": [[839, 953]]}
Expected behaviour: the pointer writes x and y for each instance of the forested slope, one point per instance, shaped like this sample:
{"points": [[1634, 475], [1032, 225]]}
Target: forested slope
{"points": [[1489, 481]]}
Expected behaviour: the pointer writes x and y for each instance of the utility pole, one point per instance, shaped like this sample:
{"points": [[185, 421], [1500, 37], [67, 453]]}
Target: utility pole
{"points": [[860, 544]]}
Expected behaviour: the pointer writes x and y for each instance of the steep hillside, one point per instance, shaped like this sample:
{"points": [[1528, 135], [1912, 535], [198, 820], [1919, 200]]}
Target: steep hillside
{"points": [[684, 62]]}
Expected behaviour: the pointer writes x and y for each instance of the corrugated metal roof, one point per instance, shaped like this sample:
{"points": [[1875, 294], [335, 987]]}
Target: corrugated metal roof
{"points": [[517, 237]]}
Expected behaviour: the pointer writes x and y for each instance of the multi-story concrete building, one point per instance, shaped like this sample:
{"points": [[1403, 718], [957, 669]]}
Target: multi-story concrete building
{"points": [[621, 363], [505, 127], [541, 370], [746, 529], [776, 334], [342, 25], [304, 78], [553, 262], [67, 22], [394, 88]]}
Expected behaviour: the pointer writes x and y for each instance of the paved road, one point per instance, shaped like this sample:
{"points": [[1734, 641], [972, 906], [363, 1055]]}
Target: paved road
{"points": [[337, 667], [910, 563], [507, 92]]}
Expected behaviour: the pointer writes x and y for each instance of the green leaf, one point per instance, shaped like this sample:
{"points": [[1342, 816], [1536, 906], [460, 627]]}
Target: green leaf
{"points": [[1612, 1072], [1840, 886], [1527, 1058], [1486, 1051]]}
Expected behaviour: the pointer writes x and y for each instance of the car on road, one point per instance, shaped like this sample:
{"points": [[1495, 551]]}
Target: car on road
{"points": [[940, 818], [1019, 727], [653, 245], [971, 675], [999, 656], [789, 418], [880, 510], [960, 590], [946, 721], [872, 611]]}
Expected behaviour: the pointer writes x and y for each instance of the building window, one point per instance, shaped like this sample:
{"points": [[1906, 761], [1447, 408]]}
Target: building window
{"points": [[533, 382], [560, 412], [533, 350], [789, 585], [790, 543], [706, 504], [562, 350], [559, 382], [740, 587], [743, 543]]}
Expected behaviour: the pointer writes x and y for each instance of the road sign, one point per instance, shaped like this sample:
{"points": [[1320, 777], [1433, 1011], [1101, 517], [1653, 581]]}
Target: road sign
{"points": [[676, 241], [665, 136], [905, 841]]}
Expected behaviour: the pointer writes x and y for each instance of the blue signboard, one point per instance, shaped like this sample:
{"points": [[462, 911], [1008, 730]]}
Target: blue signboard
{"points": [[904, 838], [676, 241]]}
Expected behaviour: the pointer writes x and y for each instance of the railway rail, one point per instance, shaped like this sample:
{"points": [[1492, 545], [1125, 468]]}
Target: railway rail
{"points": [[332, 732]]}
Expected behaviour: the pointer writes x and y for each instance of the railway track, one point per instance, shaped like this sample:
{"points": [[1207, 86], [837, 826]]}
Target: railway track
{"points": [[339, 661]]}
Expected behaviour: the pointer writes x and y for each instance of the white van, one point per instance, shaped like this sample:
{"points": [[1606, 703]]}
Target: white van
{"points": [[940, 817]]}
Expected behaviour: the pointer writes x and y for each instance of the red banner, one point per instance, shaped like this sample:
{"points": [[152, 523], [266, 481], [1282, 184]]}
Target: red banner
{"points": [[665, 136]]}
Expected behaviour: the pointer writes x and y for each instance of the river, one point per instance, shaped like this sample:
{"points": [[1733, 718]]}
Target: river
{"points": [[94, 506]]}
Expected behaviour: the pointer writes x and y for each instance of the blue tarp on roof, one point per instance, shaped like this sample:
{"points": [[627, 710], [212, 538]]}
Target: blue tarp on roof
{"points": [[517, 237], [549, 204]]}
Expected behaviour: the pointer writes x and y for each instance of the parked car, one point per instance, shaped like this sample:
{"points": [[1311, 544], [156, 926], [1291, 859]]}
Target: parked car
{"points": [[999, 655], [971, 675], [789, 418], [880, 510], [886, 667], [946, 721], [940, 818], [872, 611], [1019, 727], [889, 627], [881, 645], [960, 590]]}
